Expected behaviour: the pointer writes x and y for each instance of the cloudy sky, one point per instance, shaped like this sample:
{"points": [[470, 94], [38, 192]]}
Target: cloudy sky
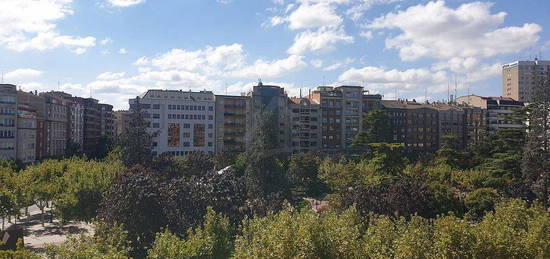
{"points": [[116, 49]]}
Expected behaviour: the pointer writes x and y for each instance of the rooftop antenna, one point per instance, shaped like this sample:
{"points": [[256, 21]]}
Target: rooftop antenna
{"points": [[468, 94], [448, 91], [456, 84], [324, 83], [300, 93], [425, 94]]}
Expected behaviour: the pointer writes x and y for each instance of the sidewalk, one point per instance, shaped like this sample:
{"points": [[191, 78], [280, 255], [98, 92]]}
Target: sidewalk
{"points": [[37, 236]]}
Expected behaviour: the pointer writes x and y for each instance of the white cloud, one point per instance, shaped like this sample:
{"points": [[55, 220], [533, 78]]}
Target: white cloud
{"points": [[143, 61], [122, 51], [435, 30], [30, 25], [23, 73], [316, 15], [471, 69], [366, 34], [270, 69], [380, 79], [106, 41], [317, 63], [124, 3], [212, 59], [356, 11], [110, 75], [322, 40], [338, 65]]}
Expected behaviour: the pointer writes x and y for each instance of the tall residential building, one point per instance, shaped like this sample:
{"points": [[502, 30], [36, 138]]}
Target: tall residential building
{"points": [[519, 78], [38, 103], [341, 115], [8, 121], [305, 125], [416, 125], [181, 121], [55, 125], [75, 118], [107, 120], [231, 123], [452, 121], [499, 111], [122, 120], [273, 101], [26, 134]]}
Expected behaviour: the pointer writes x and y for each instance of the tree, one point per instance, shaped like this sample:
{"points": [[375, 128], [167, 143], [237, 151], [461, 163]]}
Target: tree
{"points": [[536, 158], [303, 174], [136, 142], [72, 149], [481, 201], [377, 129], [42, 182], [109, 241], [449, 152], [263, 171], [7, 205], [214, 239], [85, 184], [136, 202], [405, 197]]}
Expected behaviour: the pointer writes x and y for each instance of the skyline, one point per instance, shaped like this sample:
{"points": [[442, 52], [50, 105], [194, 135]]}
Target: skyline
{"points": [[117, 49]]}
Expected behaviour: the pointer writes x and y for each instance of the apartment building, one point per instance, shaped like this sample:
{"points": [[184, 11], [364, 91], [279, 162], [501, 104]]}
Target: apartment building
{"points": [[269, 100], [38, 104], [181, 121], [231, 124], [26, 134], [476, 124], [305, 125], [8, 121], [55, 125], [122, 120], [75, 118], [452, 121], [341, 115], [498, 111], [520, 78], [107, 120], [416, 125]]}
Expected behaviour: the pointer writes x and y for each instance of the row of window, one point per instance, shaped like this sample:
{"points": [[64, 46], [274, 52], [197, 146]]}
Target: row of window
{"points": [[186, 116], [7, 134], [184, 125], [189, 107]]}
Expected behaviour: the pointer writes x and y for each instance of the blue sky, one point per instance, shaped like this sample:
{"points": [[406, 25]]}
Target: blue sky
{"points": [[116, 49]]}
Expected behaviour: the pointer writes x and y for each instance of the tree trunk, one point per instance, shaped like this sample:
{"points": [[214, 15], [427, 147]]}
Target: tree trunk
{"points": [[43, 219]]}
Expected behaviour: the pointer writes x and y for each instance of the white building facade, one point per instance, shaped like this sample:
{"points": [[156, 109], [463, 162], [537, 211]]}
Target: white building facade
{"points": [[181, 121]]}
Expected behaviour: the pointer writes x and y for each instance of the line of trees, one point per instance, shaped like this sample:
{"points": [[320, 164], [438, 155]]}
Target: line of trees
{"points": [[487, 201]]}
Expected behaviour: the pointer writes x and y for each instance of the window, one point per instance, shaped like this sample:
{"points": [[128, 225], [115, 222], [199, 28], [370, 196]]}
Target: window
{"points": [[209, 144], [186, 126], [186, 144], [210, 117], [210, 135], [210, 126], [186, 135], [156, 115], [210, 108], [156, 125], [156, 106]]}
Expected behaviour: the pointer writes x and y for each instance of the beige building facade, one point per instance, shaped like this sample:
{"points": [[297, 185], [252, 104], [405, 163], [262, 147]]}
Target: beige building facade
{"points": [[520, 78]]}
